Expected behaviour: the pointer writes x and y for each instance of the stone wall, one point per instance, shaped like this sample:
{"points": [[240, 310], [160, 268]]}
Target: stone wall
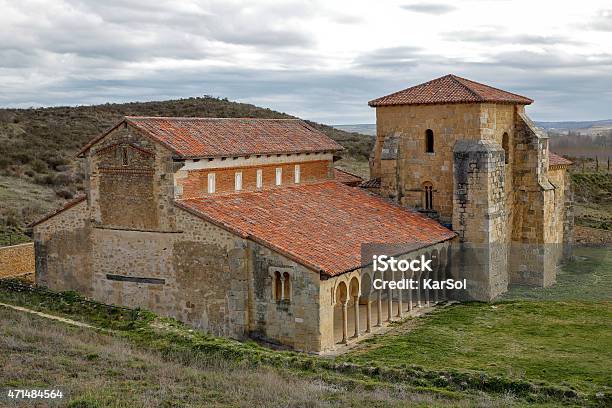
{"points": [[480, 216], [63, 250], [17, 260], [294, 321], [403, 176], [130, 182], [536, 224]]}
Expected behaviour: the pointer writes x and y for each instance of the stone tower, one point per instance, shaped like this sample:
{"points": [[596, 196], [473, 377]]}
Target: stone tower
{"points": [[466, 153]]}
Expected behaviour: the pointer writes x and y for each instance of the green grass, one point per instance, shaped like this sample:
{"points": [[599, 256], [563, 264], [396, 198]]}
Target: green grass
{"points": [[566, 343], [535, 347], [100, 370], [560, 335], [149, 333], [587, 277]]}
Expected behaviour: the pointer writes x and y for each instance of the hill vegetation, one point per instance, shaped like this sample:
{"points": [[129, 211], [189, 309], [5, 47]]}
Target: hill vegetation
{"points": [[37, 147]]}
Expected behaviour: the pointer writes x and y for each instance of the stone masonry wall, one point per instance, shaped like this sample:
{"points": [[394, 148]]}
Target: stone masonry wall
{"points": [[480, 216], [293, 322], [16, 260], [63, 251], [535, 239], [195, 274], [135, 196], [415, 167]]}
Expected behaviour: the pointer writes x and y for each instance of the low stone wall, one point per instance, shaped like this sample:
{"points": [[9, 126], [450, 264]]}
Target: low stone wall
{"points": [[17, 260]]}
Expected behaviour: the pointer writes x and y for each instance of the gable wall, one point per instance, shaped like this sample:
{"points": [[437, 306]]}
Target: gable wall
{"points": [[136, 196]]}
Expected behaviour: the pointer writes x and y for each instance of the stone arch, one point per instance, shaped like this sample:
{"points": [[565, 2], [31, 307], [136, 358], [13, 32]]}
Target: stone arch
{"points": [[341, 293], [354, 287], [429, 141]]}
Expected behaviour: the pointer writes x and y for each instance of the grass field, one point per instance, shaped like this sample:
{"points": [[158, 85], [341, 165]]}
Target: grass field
{"points": [[546, 347], [559, 335], [176, 367]]}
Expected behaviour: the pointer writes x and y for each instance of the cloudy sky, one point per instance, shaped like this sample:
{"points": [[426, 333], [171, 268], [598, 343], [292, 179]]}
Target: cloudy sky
{"points": [[320, 59]]}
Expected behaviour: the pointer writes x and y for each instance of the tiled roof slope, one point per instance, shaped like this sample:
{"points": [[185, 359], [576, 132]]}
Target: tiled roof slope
{"points": [[214, 137], [449, 89], [556, 160], [321, 226], [347, 178]]}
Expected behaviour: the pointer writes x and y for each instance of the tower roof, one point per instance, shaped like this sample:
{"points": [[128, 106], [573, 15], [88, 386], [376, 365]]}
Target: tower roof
{"points": [[449, 89]]}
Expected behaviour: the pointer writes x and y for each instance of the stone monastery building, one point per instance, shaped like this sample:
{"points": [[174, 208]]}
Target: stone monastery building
{"points": [[243, 228]]}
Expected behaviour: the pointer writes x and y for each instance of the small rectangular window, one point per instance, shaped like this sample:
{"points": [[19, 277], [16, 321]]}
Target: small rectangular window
{"points": [[279, 176], [238, 181], [259, 178], [211, 183], [124, 156], [296, 174]]}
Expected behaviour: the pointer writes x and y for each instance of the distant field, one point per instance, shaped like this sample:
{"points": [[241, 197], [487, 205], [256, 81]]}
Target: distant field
{"points": [[585, 152]]}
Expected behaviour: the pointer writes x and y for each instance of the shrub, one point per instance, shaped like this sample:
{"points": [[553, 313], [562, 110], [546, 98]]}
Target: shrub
{"points": [[65, 193]]}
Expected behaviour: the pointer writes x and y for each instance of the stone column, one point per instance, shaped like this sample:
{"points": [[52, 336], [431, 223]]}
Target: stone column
{"points": [[427, 294], [344, 321], [444, 276], [282, 283], [379, 308], [400, 304], [410, 296], [356, 301], [389, 305], [418, 291], [436, 277], [368, 316]]}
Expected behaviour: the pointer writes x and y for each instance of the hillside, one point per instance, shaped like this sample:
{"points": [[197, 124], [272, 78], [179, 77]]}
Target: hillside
{"points": [[37, 146]]}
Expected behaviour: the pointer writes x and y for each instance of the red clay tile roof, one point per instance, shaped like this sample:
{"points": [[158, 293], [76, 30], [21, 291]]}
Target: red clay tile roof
{"points": [[63, 208], [320, 226], [214, 137], [449, 89], [347, 178], [556, 160]]}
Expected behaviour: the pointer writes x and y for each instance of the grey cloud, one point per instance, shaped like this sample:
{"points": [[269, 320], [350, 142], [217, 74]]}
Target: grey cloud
{"points": [[565, 87], [603, 21], [494, 36], [95, 52], [429, 8], [391, 57], [271, 25]]}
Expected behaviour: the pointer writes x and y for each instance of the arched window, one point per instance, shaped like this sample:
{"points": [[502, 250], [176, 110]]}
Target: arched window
{"points": [[286, 287], [428, 196], [278, 286], [506, 147], [429, 141]]}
